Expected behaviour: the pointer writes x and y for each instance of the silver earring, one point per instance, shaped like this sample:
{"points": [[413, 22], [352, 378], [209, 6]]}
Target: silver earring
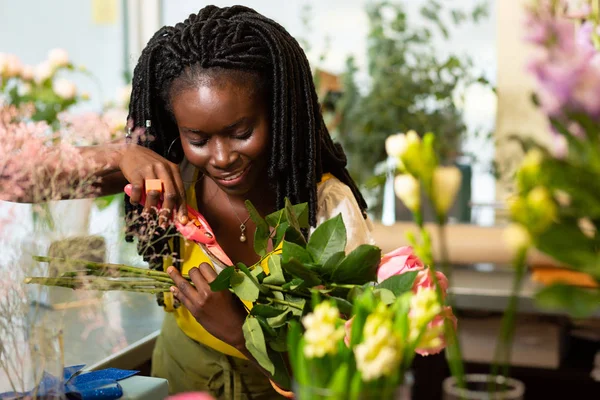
{"points": [[171, 145]]}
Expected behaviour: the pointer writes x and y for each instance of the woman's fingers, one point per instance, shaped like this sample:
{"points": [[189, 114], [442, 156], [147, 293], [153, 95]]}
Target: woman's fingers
{"points": [[183, 290]]}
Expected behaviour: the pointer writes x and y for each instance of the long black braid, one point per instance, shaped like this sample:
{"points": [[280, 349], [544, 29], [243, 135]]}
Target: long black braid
{"points": [[239, 38]]}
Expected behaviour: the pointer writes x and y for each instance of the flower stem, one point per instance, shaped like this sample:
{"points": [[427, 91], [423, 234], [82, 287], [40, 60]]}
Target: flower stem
{"points": [[503, 346], [285, 303], [107, 266], [144, 286]]}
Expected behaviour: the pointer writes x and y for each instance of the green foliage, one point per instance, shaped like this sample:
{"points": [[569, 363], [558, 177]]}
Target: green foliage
{"points": [[410, 85], [296, 271]]}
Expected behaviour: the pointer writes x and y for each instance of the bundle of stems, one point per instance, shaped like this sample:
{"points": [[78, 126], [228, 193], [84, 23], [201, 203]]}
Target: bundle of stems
{"points": [[89, 275]]}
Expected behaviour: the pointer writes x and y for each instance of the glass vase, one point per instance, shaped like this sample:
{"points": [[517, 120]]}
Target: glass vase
{"points": [[484, 387], [308, 392]]}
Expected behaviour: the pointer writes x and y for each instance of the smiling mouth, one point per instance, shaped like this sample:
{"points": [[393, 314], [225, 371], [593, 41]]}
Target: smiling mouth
{"points": [[234, 176]]}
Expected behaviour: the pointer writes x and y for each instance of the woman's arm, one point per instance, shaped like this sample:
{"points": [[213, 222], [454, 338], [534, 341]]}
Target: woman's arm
{"points": [[108, 168]]}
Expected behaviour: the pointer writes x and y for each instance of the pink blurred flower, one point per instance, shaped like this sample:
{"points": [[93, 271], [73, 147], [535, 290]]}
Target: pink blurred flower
{"points": [[348, 329], [398, 262], [438, 323], [191, 396], [424, 279]]}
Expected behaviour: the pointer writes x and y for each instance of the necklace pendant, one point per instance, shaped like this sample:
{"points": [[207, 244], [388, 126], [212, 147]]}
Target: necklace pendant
{"points": [[243, 233]]}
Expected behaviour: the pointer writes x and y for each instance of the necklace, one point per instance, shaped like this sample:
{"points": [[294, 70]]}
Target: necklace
{"points": [[242, 224]]}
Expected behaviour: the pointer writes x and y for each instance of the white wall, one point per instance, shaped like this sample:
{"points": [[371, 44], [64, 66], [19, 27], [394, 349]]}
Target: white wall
{"points": [[29, 28]]}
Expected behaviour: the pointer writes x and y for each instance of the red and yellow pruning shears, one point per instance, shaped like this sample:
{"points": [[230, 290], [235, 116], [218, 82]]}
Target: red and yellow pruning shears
{"points": [[196, 230]]}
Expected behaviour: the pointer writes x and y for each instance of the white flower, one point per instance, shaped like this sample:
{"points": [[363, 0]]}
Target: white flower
{"points": [[408, 190], [58, 58], [516, 237], [395, 145], [43, 72], [446, 182], [27, 73], [65, 89], [10, 65], [322, 333], [379, 354]]}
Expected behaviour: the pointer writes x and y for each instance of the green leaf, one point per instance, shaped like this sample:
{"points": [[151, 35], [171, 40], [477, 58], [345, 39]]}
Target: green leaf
{"points": [[278, 321], [386, 296], [290, 215], [249, 274], [578, 302], [293, 251], [255, 343], [223, 280], [296, 269], [293, 284], [279, 344], [265, 311], [262, 233], [256, 271], [343, 305], [280, 233], [282, 375], [399, 284], [568, 244], [333, 262], [293, 235], [359, 267], [339, 381], [300, 302], [243, 287], [329, 238], [275, 276], [266, 327], [278, 217]]}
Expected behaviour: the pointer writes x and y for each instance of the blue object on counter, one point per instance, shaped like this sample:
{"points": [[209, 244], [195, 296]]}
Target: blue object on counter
{"points": [[94, 385]]}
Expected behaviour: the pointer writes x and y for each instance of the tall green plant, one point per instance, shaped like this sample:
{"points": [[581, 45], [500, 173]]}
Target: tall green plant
{"points": [[411, 86]]}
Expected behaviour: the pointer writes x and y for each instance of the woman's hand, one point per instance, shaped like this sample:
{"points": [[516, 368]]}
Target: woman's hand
{"points": [[137, 164], [220, 313]]}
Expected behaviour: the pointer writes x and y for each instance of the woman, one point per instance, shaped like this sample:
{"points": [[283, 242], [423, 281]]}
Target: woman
{"points": [[228, 98]]}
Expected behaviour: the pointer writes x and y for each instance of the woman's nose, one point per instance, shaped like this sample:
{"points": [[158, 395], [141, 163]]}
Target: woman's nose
{"points": [[222, 156]]}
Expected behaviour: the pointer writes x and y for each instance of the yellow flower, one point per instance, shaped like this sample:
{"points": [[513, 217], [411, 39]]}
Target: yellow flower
{"points": [[445, 185], [408, 190], [529, 171], [516, 237], [380, 352], [323, 331], [424, 306], [541, 208]]}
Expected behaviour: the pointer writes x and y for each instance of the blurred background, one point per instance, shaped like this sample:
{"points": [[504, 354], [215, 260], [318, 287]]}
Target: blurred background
{"points": [[454, 68]]}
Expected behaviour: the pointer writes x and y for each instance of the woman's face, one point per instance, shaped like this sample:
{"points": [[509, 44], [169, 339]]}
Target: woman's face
{"points": [[224, 129]]}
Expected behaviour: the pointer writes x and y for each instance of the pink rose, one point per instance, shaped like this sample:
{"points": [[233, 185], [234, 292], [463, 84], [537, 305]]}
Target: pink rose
{"points": [[425, 280], [398, 262], [439, 321], [348, 328], [191, 396]]}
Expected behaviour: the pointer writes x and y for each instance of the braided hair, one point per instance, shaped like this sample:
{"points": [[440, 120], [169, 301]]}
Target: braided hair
{"points": [[229, 39]]}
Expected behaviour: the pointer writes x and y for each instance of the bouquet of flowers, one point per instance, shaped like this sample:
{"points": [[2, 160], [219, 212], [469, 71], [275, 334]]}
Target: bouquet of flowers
{"points": [[368, 355]]}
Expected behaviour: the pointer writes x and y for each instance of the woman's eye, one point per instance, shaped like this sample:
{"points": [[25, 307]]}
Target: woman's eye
{"points": [[244, 135], [198, 143]]}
